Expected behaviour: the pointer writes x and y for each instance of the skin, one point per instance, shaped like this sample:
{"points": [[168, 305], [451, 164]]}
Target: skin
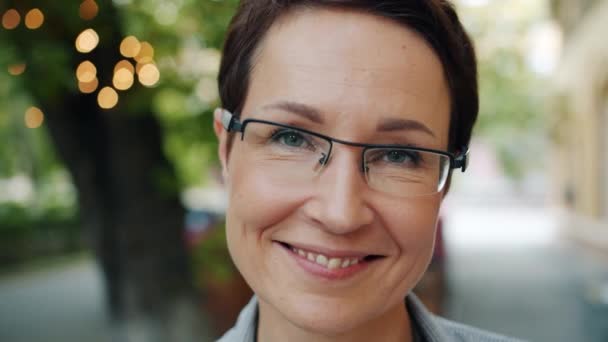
{"points": [[358, 72]]}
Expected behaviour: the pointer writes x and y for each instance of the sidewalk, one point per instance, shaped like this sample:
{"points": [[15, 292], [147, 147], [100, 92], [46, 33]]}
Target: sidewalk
{"points": [[511, 270], [62, 303], [587, 232]]}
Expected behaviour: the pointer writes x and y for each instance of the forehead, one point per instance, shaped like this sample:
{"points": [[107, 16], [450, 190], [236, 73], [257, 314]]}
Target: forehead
{"points": [[356, 68]]}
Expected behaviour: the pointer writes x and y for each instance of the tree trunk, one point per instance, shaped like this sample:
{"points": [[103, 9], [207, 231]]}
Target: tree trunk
{"points": [[127, 189]]}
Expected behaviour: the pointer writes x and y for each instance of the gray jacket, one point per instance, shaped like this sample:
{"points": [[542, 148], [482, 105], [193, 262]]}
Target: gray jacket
{"points": [[429, 327]]}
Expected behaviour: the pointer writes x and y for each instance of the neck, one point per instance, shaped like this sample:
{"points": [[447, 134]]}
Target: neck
{"points": [[393, 325]]}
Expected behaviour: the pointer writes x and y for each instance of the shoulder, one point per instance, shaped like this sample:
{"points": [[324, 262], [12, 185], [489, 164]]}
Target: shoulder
{"points": [[458, 332], [245, 328], [438, 329]]}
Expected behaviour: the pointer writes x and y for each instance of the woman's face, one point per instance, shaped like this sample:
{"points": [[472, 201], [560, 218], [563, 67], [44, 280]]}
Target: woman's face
{"points": [[355, 77]]}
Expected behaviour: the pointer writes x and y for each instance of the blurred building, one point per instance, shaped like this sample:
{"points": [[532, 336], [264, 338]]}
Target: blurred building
{"points": [[579, 117]]}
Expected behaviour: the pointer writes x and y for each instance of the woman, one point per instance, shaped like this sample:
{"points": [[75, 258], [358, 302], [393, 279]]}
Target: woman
{"points": [[341, 124]]}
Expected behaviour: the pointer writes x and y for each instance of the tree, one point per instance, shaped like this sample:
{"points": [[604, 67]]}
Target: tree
{"points": [[128, 189]]}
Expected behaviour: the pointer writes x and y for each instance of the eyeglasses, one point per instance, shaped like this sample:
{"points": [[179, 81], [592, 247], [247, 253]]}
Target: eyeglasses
{"points": [[291, 156]]}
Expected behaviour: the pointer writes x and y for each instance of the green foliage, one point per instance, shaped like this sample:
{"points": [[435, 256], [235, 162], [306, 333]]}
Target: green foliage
{"points": [[186, 36], [511, 95], [511, 112], [211, 255], [25, 234]]}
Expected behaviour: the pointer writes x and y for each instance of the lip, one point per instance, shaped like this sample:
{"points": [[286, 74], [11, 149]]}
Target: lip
{"points": [[323, 273], [332, 253]]}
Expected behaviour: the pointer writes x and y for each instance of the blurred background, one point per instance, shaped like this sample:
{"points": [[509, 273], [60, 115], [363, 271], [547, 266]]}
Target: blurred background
{"points": [[111, 202]]}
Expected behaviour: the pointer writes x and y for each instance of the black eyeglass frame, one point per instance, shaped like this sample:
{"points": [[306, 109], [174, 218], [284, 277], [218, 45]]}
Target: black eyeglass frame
{"points": [[232, 124]]}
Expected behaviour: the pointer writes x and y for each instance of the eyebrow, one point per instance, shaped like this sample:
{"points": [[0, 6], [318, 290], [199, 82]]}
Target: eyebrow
{"points": [[300, 109], [394, 124], [314, 115]]}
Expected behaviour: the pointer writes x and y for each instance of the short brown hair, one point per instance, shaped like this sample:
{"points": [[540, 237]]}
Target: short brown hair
{"points": [[435, 20]]}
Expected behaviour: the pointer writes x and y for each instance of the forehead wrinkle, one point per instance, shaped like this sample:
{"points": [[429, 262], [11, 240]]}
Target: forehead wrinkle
{"points": [[364, 82], [365, 77]]}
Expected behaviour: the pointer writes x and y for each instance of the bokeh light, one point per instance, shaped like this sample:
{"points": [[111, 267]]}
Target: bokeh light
{"points": [[107, 98], [11, 19], [16, 69], [149, 75], [146, 53], [88, 9], [33, 117], [124, 64], [87, 40], [86, 72], [130, 46], [123, 79], [88, 87], [34, 19], [166, 13], [206, 90], [139, 66]]}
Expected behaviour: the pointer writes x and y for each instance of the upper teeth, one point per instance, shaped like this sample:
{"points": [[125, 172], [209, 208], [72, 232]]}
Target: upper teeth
{"points": [[325, 261]]}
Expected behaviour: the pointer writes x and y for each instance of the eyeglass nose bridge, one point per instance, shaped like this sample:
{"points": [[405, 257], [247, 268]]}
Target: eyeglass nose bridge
{"points": [[326, 158]]}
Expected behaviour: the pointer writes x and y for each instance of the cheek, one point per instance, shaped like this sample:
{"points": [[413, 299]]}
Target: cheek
{"points": [[412, 225], [257, 203], [256, 206]]}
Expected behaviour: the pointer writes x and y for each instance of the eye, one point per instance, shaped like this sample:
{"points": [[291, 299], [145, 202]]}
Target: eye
{"points": [[289, 138], [401, 156]]}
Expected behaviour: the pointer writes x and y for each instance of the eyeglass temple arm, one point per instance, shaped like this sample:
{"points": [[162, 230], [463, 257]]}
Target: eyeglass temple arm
{"points": [[461, 160], [230, 123]]}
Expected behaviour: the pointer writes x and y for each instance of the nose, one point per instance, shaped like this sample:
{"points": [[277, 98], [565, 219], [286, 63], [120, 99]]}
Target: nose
{"points": [[340, 204]]}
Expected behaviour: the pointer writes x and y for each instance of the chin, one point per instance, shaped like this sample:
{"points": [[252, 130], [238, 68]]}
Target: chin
{"points": [[324, 316]]}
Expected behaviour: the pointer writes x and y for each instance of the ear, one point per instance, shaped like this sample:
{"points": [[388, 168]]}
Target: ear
{"points": [[222, 137]]}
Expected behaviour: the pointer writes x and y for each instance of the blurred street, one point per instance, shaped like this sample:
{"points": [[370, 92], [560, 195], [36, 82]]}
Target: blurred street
{"points": [[511, 271], [508, 271], [61, 303]]}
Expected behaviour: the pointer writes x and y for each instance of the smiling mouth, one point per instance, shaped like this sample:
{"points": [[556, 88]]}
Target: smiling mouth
{"points": [[329, 262]]}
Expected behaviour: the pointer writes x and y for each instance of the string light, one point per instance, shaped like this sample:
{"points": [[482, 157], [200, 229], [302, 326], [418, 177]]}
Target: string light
{"points": [[34, 19], [88, 87], [11, 19], [87, 40], [130, 47], [16, 69], [149, 75], [86, 72], [88, 9], [146, 53], [107, 98], [33, 117]]}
